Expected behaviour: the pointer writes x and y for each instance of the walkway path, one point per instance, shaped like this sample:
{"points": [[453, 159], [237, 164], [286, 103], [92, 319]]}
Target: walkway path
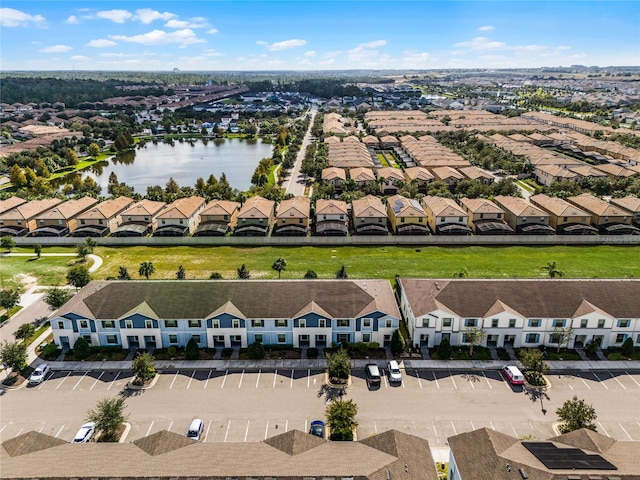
{"points": [[295, 182], [97, 261]]}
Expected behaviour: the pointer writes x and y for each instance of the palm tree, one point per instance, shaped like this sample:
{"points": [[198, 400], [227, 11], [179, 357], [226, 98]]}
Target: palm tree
{"points": [[243, 273], [146, 269], [279, 264], [461, 274], [552, 269], [342, 273], [181, 274], [123, 274]]}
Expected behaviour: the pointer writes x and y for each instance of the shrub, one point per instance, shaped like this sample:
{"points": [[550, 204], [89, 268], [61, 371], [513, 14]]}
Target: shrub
{"points": [[312, 353], [171, 351], [81, 349], [444, 349], [226, 352], [50, 352], [534, 378], [397, 343], [192, 351], [627, 347], [339, 365], [256, 351]]}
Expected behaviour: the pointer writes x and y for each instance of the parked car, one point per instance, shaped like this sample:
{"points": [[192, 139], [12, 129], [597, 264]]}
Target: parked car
{"points": [[85, 433], [513, 374], [195, 429], [393, 370], [317, 428], [39, 374], [373, 375]]}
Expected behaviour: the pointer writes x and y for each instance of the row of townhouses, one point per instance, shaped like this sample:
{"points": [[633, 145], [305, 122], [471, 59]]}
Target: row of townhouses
{"points": [[317, 313]]}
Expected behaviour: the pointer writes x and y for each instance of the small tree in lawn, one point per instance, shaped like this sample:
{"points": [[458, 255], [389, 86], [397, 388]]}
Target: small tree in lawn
{"points": [[123, 274], [9, 298], [342, 273], [57, 297], [576, 414], [108, 415], [341, 417], [243, 273], [144, 368], [181, 274], [82, 250], [397, 342], [310, 275], [24, 331], [192, 351], [37, 249], [562, 335], [339, 366], [279, 265], [78, 276], [473, 336], [7, 243], [81, 349], [14, 354], [552, 270], [146, 269]]}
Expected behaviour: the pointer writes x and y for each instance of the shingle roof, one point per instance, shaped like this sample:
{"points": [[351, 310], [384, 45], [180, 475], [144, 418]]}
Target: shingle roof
{"points": [[144, 207], [256, 207], [69, 209], [182, 208], [107, 209], [294, 442], [162, 442], [30, 442], [31, 209], [9, 203]]}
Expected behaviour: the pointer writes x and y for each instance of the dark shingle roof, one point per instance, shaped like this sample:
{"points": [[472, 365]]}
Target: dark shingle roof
{"points": [[162, 442], [294, 442], [30, 442]]}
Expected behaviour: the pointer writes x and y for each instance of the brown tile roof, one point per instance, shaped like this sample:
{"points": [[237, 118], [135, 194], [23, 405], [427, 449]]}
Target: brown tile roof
{"points": [[405, 207], [9, 203], [162, 442], [30, 442], [629, 203], [256, 207], [330, 207], [443, 173], [144, 208], [442, 207], [31, 209], [519, 206], [331, 173], [108, 208], [418, 173], [296, 207], [475, 173], [597, 206], [360, 174], [368, 206], [557, 206], [480, 205], [220, 207], [183, 208], [69, 209], [390, 173]]}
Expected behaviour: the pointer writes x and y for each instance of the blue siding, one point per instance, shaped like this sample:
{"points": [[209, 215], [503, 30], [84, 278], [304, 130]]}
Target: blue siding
{"points": [[312, 320], [226, 321], [139, 321]]}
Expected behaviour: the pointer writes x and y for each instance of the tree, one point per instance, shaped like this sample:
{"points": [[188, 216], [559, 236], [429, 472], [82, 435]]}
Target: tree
{"points": [[37, 249], [9, 298], [78, 276], [533, 361], [91, 244], [473, 336], [14, 354], [552, 270], [108, 415], [256, 351], [397, 342], [93, 150], [57, 297], [243, 273], [143, 367], [341, 417], [342, 273], [562, 335], [627, 347], [81, 349], [17, 176], [461, 274], [444, 349], [146, 269], [576, 414], [7, 243], [192, 351], [215, 276], [279, 264], [24, 331], [181, 274], [123, 274], [310, 275], [339, 366], [82, 251]]}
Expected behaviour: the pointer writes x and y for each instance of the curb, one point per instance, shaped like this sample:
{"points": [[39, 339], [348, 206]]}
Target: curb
{"points": [[131, 386], [127, 429]]}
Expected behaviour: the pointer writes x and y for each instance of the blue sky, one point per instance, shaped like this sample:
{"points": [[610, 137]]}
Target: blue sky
{"points": [[315, 35]]}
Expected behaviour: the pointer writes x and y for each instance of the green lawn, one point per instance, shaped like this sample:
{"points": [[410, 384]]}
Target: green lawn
{"points": [[361, 262]]}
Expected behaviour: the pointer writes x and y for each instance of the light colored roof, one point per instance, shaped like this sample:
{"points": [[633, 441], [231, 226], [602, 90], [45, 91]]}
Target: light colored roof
{"points": [[296, 207], [368, 206], [69, 209], [390, 173], [418, 173], [480, 205], [144, 208], [405, 207], [442, 207], [474, 173], [360, 174], [630, 203], [331, 173], [443, 173], [330, 207], [183, 208], [220, 207], [256, 207], [107, 209], [31, 209], [599, 207], [9, 203], [557, 206], [519, 207]]}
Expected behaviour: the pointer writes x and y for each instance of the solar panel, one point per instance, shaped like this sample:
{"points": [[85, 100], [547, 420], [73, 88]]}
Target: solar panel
{"points": [[555, 458], [398, 206]]}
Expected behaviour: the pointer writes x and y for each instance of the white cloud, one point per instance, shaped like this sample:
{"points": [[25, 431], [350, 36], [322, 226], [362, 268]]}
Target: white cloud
{"points": [[147, 15], [480, 44], [367, 55], [486, 28], [10, 17], [101, 43], [160, 37], [80, 58], [56, 49], [117, 16], [373, 44], [72, 19], [284, 45], [212, 31], [193, 23], [310, 53], [413, 59]]}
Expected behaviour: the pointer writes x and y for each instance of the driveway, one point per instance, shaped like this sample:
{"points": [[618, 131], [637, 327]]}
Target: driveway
{"points": [[295, 181]]}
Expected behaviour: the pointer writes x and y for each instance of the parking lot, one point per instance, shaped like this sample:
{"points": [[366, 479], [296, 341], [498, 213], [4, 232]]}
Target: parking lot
{"points": [[251, 405]]}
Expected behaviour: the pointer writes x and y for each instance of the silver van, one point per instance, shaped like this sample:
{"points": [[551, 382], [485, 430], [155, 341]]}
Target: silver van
{"points": [[195, 429]]}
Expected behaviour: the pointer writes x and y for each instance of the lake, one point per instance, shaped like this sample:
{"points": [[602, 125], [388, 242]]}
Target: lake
{"points": [[154, 164]]}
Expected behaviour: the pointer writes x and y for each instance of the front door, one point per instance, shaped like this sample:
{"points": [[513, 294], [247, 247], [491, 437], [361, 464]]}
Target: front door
{"points": [[218, 341], [424, 339], [133, 341], [64, 344], [303, 340]]}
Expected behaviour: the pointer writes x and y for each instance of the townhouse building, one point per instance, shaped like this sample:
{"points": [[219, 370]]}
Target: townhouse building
{"points": [[390, 180], [444, 216], [485, 217], [223, 314], [102, 219], [62, 219], [293, 217], [21, 219], [255, 217], [523, 217], [369, 216], [139, 219], [608, 218], [406, 216], [181, 217], [521, 313], [332, 217], [217, 218], [566, 218], [334, 176]]}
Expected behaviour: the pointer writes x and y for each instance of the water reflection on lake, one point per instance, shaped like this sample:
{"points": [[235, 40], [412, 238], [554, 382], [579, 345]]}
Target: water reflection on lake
{"points": [[185, 161]]}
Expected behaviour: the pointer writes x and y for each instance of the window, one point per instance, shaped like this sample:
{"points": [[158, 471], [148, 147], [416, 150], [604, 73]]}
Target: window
{"points": [[108, 324], [85, 324], [342, 323], [532, 338], [235, 323], [302, 323], [128, 324], [601, 323], [196, 338], [322, 323], [148, 324], [366, 322], [446, 322], [82, 221], [446, 336], [558, 323], [281, 323], [638, 338], [470, 322], [494, 322], [512, 323], [171, 323], [215, 323], [173, 338], [257, 323], [624, 323], [366, 337], [194, 323], [621, 337], [61, 325], [258, 337], [282, 338], [535, 322], [112, 339], [583, 323]]}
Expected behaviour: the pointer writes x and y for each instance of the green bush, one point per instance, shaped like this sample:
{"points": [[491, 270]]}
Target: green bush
{"points": [[339, 365], [534, 378], [397, 343], [312, 353], [192, 351], [444, 349], [81, 349], [627, 347], [171, 351], [226, 352], [256, 351], [50, 352]]}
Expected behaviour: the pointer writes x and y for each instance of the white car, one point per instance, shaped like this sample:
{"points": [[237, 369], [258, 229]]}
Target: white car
{"points": [[39, 374], [395, 376], [85, 433]]}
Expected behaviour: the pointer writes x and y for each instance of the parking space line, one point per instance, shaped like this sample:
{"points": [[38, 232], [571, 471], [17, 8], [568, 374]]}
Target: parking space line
{"points": [[78, 382], [58, 386], [603, 429], [455, 432], [454, 382], [1, 429], [435, 432], [598, 378], [471, 382], [612, 376], [291, 384], [266, 430], [258, 379], [246, 432], [275, 375], [585, 383], [308, 377], [504, 381], [208, 378], [241, 378], [170, 425], [634, 380], [94, 383], [419, 381], [149, 429], [514, 430], [488, 383], [472, 426], [491, 423], [626, 433], [18, 434], [113, 381], [42, 383], [434, 377], [41, 428], [305, 425], [386, 383], [207, 433], [191, 379], [174, 379], [224, 379], [60, 431], [286, 426], [375, 427], [227, 432]]}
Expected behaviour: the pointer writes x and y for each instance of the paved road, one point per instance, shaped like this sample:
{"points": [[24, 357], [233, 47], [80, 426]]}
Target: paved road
{"points": [[295, 182]]}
